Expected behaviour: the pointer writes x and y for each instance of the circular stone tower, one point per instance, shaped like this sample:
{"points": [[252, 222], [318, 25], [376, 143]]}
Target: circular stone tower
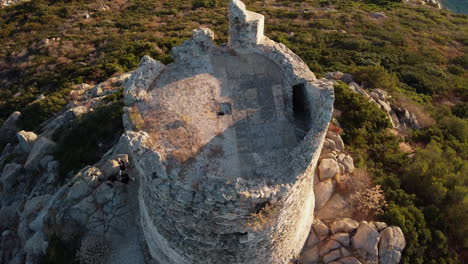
{"points": [[225, 141]]}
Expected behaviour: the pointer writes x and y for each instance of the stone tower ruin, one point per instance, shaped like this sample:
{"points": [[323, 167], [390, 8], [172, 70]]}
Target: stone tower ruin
{"points": [[225, 141]]}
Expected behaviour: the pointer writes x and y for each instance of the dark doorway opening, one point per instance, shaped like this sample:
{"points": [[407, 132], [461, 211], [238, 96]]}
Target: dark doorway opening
{"points": [[301, 110]]}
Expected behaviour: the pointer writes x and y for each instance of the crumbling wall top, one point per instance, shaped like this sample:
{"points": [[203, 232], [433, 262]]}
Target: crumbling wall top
{"points": [[245, 27]]}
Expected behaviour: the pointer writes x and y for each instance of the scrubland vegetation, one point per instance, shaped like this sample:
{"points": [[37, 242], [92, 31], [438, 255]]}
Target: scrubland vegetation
{"points": [[417, 54]]}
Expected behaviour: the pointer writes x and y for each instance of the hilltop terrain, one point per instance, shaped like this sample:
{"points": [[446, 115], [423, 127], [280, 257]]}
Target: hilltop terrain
{"points": [[55, 53]]}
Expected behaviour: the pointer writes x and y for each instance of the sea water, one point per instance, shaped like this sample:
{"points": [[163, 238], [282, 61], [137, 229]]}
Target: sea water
{"points": [[458, 6]]}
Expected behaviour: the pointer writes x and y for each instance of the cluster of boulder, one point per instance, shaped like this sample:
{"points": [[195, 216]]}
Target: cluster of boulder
{"points": [[345, 241], [400, 117], [36, 203], [334, 236], [433, 3], [4, 3], [333, 162]]}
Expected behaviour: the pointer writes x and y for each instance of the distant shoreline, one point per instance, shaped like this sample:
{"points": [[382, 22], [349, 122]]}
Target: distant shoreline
{"points": [[458, 6]]}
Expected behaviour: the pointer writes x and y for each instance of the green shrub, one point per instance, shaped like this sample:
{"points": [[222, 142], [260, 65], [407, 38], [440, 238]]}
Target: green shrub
{"points": [[360, 118], [461, 110], [374, 77], [89, 138], [59, 251], [461, 61], [33, 115], [202, 3], [455, 69], [412, 223]]}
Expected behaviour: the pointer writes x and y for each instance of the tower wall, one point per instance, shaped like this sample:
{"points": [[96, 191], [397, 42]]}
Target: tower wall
{"points": [[235, 220]]}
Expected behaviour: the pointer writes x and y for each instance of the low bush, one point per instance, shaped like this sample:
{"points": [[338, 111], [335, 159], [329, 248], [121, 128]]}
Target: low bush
{"points": [[374, 77], [89, 138], [33, 115]]}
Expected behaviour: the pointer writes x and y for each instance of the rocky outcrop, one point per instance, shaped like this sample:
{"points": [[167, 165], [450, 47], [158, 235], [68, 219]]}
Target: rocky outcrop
{"points": [[10, 174], [35, 203], [140, 80], [433, 3], [328, 168], [4, 3], [347, 241], [400, 118], [8, 129], [366, 241], [342, 239], [41, 148], [323, 191], [333, 162], [26, 140], [392, 243]]}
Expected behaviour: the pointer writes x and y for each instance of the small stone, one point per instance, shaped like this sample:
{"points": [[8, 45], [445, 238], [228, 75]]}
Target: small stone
{"points": [[26, 140], [380, 225], [40, 97], [328, 168], [44, 161], [343, 238], [329, 246], [312, 240], [10, 174], [333, 255], [345, 252], [350, 260], [323, 192], [336, 139], [384, 105], [334, 75], [347, 78], [392, 243], [367, 239], [327, 156], [329, 144], [348, 164], [37, 244], [311, 255], [320, 229], [78, 190], [92, 176], [8, 129], [346, 225], [41, 148], [378, 15], [104, 193], [382, 94], [336, 207]]}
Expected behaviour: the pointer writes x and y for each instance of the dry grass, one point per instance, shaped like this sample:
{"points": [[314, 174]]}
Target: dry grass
{"points": [[349, 184], [263, 218], [405, 147], [367, 200], [369, 203], [178, 143], [335, 128], [136, 118]]}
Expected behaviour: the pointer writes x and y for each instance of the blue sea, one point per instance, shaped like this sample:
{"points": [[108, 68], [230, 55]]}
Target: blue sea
{"points": [[458, 6]]}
